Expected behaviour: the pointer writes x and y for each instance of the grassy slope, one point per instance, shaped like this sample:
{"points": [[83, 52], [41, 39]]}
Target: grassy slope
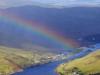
{"points": [[88, 64], [13, 60]]}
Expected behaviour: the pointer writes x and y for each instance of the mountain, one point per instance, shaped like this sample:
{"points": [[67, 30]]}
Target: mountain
{"points": [[88, 65], [91, 39], [75, 22]]}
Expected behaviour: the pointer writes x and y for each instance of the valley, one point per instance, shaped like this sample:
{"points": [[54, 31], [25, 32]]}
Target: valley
{"points": [[35, 39]]}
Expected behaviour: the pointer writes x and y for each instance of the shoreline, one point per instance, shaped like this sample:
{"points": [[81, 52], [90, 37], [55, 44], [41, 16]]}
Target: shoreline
{"points": [[50, 65], [31, 66]]}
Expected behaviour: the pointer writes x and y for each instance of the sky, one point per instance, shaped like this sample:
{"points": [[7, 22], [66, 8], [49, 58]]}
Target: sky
{"points": [[48, 3]]}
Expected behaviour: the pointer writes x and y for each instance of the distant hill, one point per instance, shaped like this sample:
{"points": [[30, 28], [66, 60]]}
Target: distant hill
{"points": [[91, 39], [75, 22], [87, 65]]}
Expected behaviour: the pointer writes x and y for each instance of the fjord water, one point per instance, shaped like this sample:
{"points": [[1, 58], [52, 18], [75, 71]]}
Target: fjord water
{"points": [[49, 68], [46, 69]]}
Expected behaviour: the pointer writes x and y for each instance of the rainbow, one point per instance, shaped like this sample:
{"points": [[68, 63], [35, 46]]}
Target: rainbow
{"points": [[37, 28]]}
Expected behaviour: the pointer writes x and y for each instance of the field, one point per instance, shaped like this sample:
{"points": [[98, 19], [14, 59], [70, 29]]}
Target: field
{"points": [[13, 60], [88, 65]]}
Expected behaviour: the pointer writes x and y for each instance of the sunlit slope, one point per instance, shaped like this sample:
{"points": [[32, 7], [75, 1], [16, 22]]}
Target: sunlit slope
{"points": [[89, 64], [13, 60]]}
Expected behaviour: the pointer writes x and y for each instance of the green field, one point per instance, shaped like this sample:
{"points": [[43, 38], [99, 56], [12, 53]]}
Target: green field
{"points": [[89, 64], [13, 60]]}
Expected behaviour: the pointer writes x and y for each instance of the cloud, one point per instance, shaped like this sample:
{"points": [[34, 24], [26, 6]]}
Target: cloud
{"points": [[48, 3]]}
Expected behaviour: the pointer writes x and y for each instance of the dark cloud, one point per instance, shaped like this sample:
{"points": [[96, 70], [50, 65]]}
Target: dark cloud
{"points": [[48, 3]]}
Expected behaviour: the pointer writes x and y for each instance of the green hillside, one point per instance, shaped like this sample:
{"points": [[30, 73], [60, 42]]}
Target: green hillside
{"points": [[13, 60], [88, 65]]}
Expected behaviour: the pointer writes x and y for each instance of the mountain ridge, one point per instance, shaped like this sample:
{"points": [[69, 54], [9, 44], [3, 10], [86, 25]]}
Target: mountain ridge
{"points": [[77, 15], [76, 22]]}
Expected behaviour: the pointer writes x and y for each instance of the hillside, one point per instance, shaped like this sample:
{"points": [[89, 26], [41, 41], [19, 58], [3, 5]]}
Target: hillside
{"points": [[14, 60], [88, 65], [70, 22], [76, 22]]}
